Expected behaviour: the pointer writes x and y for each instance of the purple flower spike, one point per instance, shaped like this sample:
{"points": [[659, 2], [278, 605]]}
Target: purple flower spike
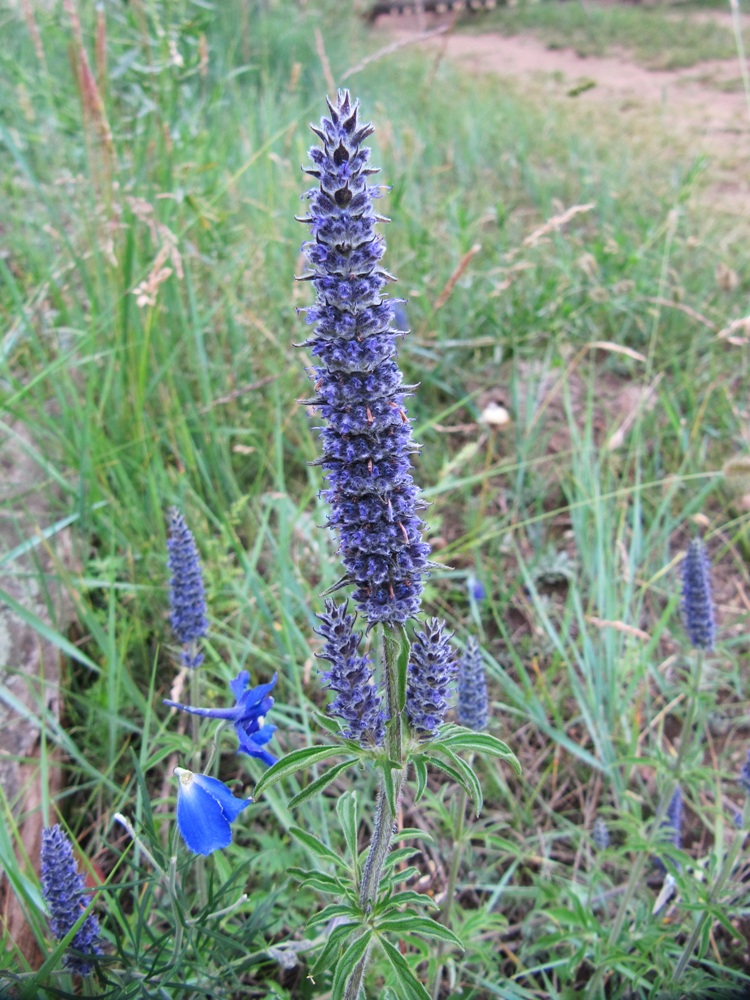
{"points": [[367, 439], [65, 894], [431, 671], [350, 677], [206, 809], [697, 602], [247, 715], [187, 597], [473, 706]]}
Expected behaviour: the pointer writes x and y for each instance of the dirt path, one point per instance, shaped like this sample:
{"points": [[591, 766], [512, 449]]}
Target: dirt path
{"points": [[686, 104]]}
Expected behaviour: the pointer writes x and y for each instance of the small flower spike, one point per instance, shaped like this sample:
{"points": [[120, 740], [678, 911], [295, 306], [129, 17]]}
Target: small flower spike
{"points": [[64, 891], [673, 823], [600, 834], [473, 706], [205, 811], [697, 603], [357, 700], [431, 672], [367, 439], [247, 715], [187, 598]]}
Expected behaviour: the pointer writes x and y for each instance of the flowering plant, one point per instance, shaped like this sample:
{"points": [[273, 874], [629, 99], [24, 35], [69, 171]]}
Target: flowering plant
{"points": [[392, 701]]}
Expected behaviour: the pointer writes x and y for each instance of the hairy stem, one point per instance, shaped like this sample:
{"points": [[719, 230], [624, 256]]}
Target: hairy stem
{"points": [[450, 892], [395, 656]]}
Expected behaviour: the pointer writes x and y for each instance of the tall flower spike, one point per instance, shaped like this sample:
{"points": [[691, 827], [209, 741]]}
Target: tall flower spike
{"points": [[697, 602], [431, 671], [357, 701], [247, 715], [64, 891], [367, 439], [473, 707], [187, 597]]}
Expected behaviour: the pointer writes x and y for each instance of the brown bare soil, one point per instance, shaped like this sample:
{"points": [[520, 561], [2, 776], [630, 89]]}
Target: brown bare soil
{"points": [[687, 105]]}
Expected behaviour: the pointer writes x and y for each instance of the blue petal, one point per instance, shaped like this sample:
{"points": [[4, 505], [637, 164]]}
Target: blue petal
{"points": [[205, 809], [230, 805]]}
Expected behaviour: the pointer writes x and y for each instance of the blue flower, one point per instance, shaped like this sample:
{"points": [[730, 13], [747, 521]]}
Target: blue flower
{"points": [[64, 891], [697, 603], [473, 705], [187, 597], [205, 811], [252, 704], [357, 700], [431, 671], [367, 440], [475, 588]]}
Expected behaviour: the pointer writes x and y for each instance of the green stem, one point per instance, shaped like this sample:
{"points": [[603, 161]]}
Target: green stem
{"points": [[395, 657], [636, 872], [450, 892], [726, 870]]}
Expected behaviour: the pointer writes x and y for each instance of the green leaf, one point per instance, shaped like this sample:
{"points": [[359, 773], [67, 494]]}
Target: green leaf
{"points": [[332, 910], [413, 832], [348, 963], [295, 761], [402, 854], [458, 738], [408, 896], [346, 810], [319, 881], [328, 958], [318, 847], [420, 769], [319, 784], [411, 923], [409, 987], [467, 777]]}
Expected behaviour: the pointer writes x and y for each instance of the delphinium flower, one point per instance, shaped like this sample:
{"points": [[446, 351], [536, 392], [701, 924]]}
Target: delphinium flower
{"points": [[64, 890], [473, 706], [247, 715], [697, 602], [431, 672], [357, 700], [206, 809], [367, 439], [187, 597]]}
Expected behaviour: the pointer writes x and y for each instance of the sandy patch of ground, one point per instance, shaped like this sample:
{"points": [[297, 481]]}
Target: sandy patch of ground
{"points": [[686, 103]]}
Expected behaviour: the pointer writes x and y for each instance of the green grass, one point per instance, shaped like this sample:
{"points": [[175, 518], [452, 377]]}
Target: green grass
{"points": [[191, 400], [657, 37]]}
